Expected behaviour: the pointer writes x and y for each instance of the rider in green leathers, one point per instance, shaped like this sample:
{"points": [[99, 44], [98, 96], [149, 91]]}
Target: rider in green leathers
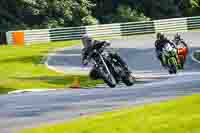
{"points": [[159, 44]]}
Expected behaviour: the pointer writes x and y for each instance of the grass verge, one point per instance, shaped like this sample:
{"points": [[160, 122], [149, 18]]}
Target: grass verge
{"points": [[23, 68], [176, 116]]}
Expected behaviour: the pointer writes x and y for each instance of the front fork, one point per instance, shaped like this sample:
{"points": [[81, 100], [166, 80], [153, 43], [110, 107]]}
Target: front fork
{"points": [[105, 65], [164, 59]]}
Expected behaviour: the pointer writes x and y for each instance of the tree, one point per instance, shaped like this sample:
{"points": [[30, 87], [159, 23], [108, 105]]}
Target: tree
{"points": [[126, 14], [195, 7], [54, 13], [45, 13], [30, 14], [158, 9]]}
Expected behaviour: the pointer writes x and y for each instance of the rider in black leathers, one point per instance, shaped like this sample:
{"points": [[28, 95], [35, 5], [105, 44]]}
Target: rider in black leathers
{"points": [[159, 44], [89, 45]]}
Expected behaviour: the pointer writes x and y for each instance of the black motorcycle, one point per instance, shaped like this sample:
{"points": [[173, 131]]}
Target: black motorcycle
{"points": [[108, 68]]}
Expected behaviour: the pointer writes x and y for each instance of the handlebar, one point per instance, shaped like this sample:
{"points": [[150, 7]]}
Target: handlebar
{"points": [[97, 49]]}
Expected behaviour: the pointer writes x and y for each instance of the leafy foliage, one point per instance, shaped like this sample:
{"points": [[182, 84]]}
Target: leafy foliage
{"points": [[30, 14], [195, 7], [126, 14], [45, 13]]}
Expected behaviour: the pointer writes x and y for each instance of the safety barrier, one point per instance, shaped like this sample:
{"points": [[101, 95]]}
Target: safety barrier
{"points": [[133, 28], [27, 36], [105, 30], [61, 34], [193, 23], [171, 25]]}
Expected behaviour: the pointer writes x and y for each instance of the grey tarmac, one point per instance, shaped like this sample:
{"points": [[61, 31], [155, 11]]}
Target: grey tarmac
{"points": [[28, 110]]}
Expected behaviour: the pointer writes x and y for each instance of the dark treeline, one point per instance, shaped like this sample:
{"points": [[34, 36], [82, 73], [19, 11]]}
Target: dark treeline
{"points": [[32, 14]]}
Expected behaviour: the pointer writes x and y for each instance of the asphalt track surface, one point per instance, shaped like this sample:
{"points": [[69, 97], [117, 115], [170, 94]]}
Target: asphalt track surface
{"points": [[18, 111]]}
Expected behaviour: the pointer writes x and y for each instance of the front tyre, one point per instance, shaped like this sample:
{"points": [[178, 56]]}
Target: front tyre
{"points": [[110, 81], [108, 78], [173, 69], [182, 61], [172, 65], [128, 80]]}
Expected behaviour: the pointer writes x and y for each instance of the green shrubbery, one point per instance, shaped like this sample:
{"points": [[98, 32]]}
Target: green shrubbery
{"points": [[31, 14], [126, 14]]}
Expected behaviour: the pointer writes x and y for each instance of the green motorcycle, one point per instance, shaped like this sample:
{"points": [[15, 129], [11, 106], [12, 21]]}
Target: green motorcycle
{"points": [[170, 57]]}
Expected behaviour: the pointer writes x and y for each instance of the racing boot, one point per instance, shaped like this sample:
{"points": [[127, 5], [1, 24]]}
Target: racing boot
{"points": [[94, 75]]}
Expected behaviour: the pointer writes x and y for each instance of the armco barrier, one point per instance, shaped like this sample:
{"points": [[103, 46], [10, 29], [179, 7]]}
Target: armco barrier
{"points": [[36, 36], [171, 25], [133, 28], [193, 23], [29, 36], [61, 34], [9, 37], [107, 30]]}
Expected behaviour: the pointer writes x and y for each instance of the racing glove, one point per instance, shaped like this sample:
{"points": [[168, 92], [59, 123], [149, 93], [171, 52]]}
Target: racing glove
{"points": [[85, 62]]}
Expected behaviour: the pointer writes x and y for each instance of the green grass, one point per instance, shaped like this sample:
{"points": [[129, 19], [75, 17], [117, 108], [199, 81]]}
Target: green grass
{"points": [[177, 116], [23, 68]]}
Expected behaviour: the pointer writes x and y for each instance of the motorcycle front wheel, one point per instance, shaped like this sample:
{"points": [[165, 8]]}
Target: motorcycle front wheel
{"points": [[173, 69], [172, 65], [182, 61], [108, 79], [128, 80]]}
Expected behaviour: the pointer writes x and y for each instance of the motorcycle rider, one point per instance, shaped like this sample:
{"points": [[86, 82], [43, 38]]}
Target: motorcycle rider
{"points": [[178, 39], [181, 50], [159, 44], [88, 46]]}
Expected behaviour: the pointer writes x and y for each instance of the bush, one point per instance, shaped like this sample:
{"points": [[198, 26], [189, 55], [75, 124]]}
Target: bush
{"points": [[89, 20], [126, 14]]}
